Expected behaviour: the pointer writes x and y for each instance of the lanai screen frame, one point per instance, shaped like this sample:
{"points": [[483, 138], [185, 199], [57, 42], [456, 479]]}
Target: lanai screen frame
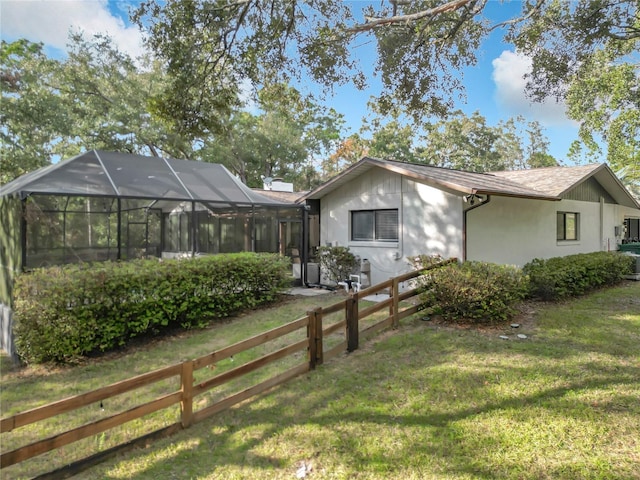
{"points": [[124, 178], [47, 242]]}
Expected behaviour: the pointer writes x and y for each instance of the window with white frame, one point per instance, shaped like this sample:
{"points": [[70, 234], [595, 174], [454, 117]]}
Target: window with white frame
{"points": [[568, 226], [374, 225]]}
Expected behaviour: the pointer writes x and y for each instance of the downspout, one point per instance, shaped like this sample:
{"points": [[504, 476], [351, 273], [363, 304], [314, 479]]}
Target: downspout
{"points": [[253, 228], [23, 238], [194, 230], [305, 245], [64, 230], [602, 246], [119, 229], [464, 225]]}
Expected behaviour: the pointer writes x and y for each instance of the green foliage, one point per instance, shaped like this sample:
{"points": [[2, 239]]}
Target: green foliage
{"points": [[99, 97], [238, 42], [32, 114], [337, 262], [461, 142], [477, 291], [281, 141], [582, 51], [348, 152], [561, 277], [62, 313], [585, 52]]}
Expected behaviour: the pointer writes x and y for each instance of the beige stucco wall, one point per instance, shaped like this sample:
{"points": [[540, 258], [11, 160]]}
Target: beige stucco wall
{"points": [[430, 221], [516, 230], [506, 230]]}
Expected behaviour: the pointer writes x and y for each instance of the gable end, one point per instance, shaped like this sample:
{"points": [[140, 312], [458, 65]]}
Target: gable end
{"points": [[588, 191]]}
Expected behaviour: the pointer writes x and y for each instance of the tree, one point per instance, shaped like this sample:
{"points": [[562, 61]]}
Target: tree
{"points": [[523, 145], [464, 143], [100, 98], [586, 53], [459, 142], [281, 140], [110, 97], [606, 97], [32, 116], [349, 151], [394, 139], [96, 98], [423, 48]]}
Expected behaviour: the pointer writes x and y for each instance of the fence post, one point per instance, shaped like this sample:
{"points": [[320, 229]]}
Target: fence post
{"points": [[319, 338], [351, 312], [395, 307], [186, 403], [314, 336]]}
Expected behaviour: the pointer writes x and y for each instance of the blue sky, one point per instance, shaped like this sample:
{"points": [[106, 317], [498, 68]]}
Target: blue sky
{"points": [[495, 87]]}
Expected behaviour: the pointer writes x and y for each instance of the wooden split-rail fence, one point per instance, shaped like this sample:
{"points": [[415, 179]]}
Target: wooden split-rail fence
{"points": [[188, 389]]}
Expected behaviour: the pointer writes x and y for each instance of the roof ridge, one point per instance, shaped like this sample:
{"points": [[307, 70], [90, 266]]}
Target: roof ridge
{"points": [[439, 167]]}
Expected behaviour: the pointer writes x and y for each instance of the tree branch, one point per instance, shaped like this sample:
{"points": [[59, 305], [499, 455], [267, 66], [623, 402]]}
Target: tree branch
{"points": [[372, 24], [513, 21]]}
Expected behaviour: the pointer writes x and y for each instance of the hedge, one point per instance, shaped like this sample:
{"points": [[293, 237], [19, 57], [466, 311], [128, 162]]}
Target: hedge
{"points": [[69, 311], [562, 277], [479, 292]]}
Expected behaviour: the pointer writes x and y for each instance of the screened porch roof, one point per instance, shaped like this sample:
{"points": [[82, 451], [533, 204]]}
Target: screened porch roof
{"points": [[124, 175]]}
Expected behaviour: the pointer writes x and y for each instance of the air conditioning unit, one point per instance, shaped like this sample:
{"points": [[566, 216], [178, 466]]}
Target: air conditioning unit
{"points": [[635, 275], [313, 273]]}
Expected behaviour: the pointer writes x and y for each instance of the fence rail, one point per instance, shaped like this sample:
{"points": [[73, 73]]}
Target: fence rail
{"points": [[187, 389]]}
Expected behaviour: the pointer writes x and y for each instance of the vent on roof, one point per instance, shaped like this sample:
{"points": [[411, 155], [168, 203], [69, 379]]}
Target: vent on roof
{"points": [[276, 185]]}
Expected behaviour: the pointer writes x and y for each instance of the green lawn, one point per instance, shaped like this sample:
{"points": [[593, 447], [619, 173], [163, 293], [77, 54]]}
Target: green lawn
{"points": [[424, 402]]}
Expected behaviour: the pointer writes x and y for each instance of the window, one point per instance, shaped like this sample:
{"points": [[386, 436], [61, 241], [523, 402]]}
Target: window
{"points": [[374, 225], [632, 229], [567, 227]]}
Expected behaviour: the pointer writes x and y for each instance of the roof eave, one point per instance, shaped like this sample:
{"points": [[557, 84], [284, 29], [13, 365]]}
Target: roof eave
{"points": [[328, 186], [516, 195]]}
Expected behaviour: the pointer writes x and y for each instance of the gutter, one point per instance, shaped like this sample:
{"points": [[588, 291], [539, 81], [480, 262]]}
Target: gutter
{"points": [[464, 221]]}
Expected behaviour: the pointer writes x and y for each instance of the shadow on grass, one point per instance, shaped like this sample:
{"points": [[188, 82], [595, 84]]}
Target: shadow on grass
{"points": [[331, 421], [434, 401]]}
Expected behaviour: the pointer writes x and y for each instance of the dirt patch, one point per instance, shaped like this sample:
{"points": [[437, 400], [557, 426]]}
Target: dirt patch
{"points": [[525, 319]]}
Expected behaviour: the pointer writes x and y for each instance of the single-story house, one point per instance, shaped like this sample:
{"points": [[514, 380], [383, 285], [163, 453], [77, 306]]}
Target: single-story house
{"points": [[388, 212]]}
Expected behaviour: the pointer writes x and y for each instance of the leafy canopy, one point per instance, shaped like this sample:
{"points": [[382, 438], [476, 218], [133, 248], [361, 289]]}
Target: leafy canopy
{"points": [[459, 142], [100, 98], [579, 49]]}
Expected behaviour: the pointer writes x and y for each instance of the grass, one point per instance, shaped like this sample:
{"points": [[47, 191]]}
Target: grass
{"points": [[425, 401]]}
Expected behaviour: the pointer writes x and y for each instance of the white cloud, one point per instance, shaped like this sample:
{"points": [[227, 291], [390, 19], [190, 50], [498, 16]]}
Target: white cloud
{"points": [[509, 70], [49, 22]]}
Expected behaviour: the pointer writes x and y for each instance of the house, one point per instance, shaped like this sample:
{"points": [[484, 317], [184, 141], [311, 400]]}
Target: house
{"points": [[387, 212]]}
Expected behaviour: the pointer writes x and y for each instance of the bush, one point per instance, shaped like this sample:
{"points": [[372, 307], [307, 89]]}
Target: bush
{"points": [[478, 291], [68, 311], [561, 277], [337, 262]]}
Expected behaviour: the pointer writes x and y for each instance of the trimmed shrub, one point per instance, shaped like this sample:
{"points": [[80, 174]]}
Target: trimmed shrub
{"points": [[65, 312], [477, 291], [337, 262], [561, 277]]}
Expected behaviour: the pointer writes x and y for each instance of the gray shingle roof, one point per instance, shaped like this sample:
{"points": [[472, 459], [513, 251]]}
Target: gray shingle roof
{"points": [[287, 197], [455, 181], [552, 181], [540, 183], [470, 182]]}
